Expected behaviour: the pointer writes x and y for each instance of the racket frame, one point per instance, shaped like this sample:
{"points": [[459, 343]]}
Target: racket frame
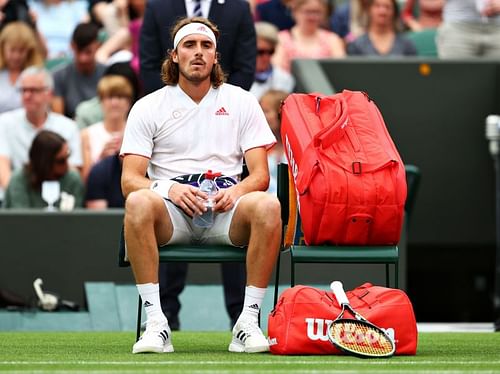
{"points": [[339, 293]]}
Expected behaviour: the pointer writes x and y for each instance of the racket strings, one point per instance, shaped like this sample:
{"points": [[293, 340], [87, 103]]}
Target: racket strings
{"points": [[359, 337]]}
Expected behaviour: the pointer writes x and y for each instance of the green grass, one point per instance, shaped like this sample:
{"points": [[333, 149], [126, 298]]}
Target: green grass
{"points": [[207, 352]]}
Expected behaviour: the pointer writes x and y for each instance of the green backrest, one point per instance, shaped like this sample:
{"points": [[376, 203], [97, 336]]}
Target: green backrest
{"points": [[413, 176], [425, 42], [53, 63]]}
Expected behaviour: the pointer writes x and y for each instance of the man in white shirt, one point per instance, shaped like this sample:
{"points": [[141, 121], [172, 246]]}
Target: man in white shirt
{"points": [[19, 127], [237, 50], [194, 124]]}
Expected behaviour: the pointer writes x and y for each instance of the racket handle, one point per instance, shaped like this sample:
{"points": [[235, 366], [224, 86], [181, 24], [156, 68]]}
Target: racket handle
{"points": [[338, 291]]}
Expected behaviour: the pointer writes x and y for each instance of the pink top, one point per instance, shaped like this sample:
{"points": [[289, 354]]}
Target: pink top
{"points": [[135, 29], [322, 49]]}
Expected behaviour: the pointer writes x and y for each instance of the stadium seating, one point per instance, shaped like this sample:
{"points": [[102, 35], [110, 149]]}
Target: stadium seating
{"points": [[54, 63], [425, 42]]}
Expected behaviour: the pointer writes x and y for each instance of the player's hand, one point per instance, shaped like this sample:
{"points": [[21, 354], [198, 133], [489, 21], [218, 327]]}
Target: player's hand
{"points": [[225, 199], [190, 199]]}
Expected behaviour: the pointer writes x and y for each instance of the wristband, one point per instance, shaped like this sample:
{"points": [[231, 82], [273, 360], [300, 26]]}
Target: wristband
{"points": [[162, 187]]}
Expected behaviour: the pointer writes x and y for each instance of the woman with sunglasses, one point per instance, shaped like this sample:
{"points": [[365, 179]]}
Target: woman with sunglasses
{"points": [[267, 75], [48, 161]]}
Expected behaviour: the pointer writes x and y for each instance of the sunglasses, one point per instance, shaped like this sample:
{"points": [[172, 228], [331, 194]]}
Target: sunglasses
{"points": [[262, 52]]}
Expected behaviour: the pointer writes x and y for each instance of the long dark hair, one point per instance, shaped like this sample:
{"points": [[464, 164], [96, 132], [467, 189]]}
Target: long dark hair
{"points": [[44, 149], [170, 69]]}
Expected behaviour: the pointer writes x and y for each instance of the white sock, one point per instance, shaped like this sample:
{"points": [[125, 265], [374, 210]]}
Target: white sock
{"points": [[150, 295], [252, 303]]}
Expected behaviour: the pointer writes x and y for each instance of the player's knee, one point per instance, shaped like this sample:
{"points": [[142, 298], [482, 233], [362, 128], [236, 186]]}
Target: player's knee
{"points": [[139, 206], [268, 210]]}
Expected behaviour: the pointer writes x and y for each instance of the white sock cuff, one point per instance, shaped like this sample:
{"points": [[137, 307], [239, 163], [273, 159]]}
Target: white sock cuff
{"points": [[148, 288], [257, 292]]}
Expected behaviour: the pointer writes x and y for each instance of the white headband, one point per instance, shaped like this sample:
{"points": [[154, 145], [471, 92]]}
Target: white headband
{"points": [[193, 28]]}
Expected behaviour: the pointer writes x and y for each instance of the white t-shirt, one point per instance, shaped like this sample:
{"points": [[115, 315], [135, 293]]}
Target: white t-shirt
{"points": [[17, 134], [182, 137], [279, 80], [10, 98]]}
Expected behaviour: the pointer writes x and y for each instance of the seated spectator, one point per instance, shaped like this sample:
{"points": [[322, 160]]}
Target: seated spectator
{"points": [[276, 12], [382, 38], [15, 10], [270, 103], [89, 111], [104, 184], [55, 20], [48, 161], [268, 76], [77, 81], [104, 139], [470, 28], [307, 39], [349, 20], [18, 50], [430, 14], [125, 38], [19, 127]]}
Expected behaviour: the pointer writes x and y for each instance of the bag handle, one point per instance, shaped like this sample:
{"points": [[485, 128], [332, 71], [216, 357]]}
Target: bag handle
{"points": [[335, 130]]}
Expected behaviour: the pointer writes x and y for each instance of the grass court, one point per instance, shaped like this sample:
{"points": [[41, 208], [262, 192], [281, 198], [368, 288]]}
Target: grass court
{"points": [[206, 352]]}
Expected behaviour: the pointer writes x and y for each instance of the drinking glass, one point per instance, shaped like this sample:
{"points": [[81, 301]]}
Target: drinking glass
{"points": [[50, 193]]}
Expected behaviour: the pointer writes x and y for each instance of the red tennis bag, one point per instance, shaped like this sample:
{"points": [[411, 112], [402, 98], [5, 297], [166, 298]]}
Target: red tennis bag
{"points": [[349, 177], [298, 324]]}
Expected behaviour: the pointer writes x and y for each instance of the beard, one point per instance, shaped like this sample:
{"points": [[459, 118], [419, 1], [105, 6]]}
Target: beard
{"points": [[195, 76]]}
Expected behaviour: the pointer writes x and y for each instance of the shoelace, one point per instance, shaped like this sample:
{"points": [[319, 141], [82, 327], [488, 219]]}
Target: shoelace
{"points": [[250, 328], [155, 327]]}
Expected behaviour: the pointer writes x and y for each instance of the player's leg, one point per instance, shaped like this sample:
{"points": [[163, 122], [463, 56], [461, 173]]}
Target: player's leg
{"points": [[147, 223], [172, 277], [256, 221], [234, 278]]}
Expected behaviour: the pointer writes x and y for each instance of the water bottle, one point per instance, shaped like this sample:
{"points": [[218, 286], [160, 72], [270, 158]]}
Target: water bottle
{"points": [[208, 186]]}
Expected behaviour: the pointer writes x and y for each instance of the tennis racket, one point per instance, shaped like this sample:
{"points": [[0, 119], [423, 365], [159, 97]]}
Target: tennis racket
{"points": [[356, 335]]}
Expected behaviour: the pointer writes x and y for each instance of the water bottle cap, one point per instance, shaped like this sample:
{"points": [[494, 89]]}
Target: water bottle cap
{"points": [[211, 175]]}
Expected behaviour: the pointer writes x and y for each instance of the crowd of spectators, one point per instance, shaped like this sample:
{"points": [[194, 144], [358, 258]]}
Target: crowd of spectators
{"points": [[73, 67]]}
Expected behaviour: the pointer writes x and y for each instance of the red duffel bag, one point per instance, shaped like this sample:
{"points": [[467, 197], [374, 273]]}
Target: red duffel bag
{"points": [[349, 177], [298, 324]]}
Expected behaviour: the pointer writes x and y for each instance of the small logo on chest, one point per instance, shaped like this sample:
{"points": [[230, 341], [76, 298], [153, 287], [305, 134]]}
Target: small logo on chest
{"points": [[221, 112]]}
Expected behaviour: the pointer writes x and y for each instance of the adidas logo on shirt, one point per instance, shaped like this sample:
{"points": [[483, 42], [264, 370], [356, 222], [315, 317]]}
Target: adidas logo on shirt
{"points": [[221, 112], [147, 303], [254, 306]]}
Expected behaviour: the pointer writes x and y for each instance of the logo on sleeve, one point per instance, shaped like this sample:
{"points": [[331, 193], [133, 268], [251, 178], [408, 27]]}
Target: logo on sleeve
{"points": [[221, 112]]}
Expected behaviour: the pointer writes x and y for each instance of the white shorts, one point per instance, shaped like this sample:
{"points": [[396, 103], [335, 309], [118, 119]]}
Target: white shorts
{"points": [[186, 232]]}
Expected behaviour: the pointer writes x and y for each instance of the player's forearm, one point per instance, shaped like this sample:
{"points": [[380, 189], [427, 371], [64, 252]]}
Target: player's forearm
{"points": [[131, 183], [257, 181]]}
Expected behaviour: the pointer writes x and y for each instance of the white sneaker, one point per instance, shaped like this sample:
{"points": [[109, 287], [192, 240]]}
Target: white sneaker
{"points": [[248, 337], [156, 339]]}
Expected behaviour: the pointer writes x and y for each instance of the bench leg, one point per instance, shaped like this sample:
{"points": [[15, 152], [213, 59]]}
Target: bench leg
{"points": [[387, 275], [139, 311], [277, 280]]}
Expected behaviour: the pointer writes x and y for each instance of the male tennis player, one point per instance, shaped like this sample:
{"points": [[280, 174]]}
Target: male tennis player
{"points": [[193, 124]]}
